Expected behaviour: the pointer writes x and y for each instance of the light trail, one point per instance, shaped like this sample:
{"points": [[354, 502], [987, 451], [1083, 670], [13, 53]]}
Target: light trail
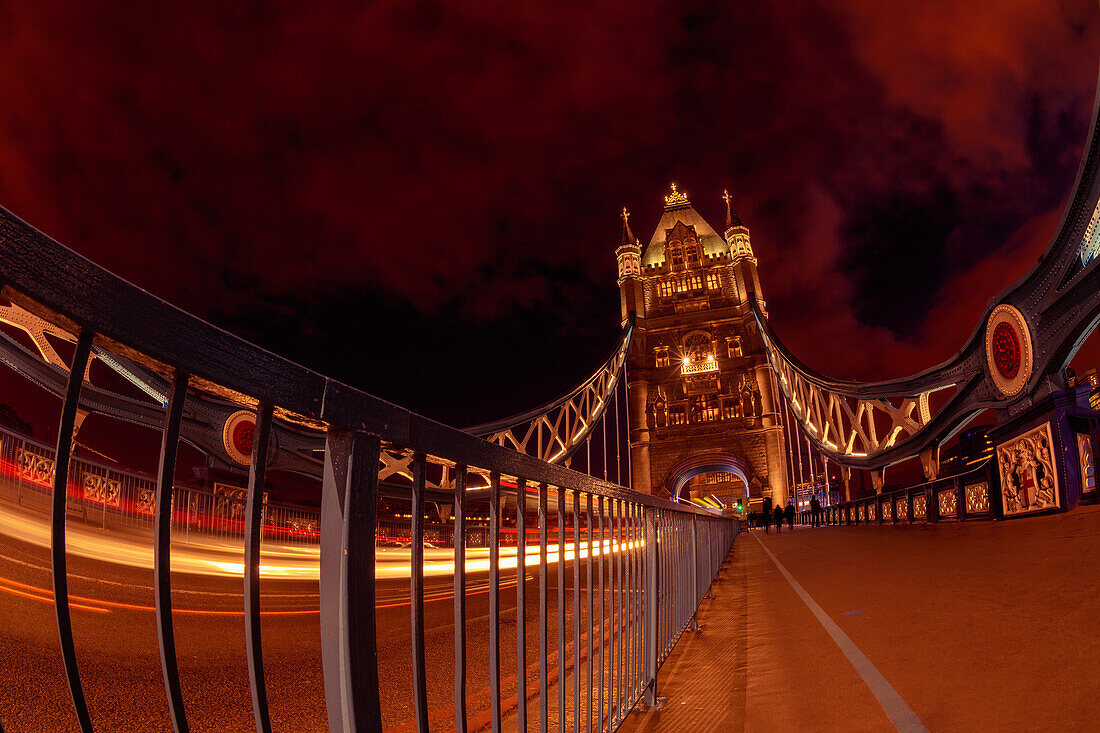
{"points": [[285, 562], [99, 605]]}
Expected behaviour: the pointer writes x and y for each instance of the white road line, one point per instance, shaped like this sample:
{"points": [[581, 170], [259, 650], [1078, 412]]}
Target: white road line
{"points": [[900, 714]]}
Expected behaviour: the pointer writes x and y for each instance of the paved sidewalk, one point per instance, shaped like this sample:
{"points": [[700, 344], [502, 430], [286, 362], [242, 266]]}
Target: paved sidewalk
{"points": [[974, 627], [760, 661]]}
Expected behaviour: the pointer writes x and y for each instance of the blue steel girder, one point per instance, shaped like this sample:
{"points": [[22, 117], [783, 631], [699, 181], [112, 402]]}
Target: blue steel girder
{"points": [[1051, 310], [294, 448]]}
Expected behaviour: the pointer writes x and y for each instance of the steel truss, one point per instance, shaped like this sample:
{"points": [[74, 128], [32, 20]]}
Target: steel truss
{"points": [[555, 430], [1052, 309]]}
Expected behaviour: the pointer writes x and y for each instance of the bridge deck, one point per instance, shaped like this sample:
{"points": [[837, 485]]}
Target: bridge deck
{"points": [[976, 627]]}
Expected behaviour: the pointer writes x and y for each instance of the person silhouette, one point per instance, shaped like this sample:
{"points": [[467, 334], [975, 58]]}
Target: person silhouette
{"points": [[789, 513], [778, 515], [815, 512], [766, 517]]}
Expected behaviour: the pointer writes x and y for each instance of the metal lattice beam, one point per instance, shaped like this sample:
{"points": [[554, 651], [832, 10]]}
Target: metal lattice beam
{"points": [[554, 431], [1016, 354]]}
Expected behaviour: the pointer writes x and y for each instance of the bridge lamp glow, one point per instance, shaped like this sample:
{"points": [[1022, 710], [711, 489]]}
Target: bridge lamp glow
{"points": [[687, 360]]}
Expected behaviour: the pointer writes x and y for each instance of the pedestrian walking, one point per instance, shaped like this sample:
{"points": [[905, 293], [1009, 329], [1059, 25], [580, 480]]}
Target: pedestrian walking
{"points": [[766, 518], [815, 512], [789, 511], [778, 516]]}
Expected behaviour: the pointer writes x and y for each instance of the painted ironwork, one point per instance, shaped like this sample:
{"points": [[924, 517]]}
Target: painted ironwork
{"points": [[554, 431], [353, 441], [1015, 356]]}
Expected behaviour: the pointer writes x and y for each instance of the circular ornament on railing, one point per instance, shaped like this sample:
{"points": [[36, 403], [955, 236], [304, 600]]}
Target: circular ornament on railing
{"points": [[1008, 352], [237, 436]]}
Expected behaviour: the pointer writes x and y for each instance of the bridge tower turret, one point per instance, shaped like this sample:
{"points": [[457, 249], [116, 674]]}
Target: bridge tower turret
{"points": [[629, 255], [632, 299], [703, 411]]}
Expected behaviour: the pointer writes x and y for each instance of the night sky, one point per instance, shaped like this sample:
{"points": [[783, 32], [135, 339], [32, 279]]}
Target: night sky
{"points": [[422, 199]]}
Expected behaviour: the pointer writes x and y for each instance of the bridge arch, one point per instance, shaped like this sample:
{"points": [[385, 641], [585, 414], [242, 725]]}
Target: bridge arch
{"points": [[678, 476]]}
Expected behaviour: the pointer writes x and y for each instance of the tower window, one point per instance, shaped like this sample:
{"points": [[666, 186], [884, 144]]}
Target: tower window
{"points": [[731, 409], [676, 415], [675, 254], [660, 355], [733, 347], [712, 281], [664, 288], [691, 253], [697, 347], [703, 409], [693, 282]]}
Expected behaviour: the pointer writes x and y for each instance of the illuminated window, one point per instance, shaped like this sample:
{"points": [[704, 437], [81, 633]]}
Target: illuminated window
{"points": [[733, 347], [691, 253], [697, 347], [704, 408], [731, 409], [660, 354], [676, 416], [675, 254], [694, 282], [664, 288], [712, 281], [660, 414]]}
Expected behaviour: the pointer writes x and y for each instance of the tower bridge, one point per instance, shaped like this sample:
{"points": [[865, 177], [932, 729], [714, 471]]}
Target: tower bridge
{"points": [[701, 390], [579, 546]]}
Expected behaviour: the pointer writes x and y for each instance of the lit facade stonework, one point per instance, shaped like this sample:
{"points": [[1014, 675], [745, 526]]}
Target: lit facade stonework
{"points": [[702, 394]]}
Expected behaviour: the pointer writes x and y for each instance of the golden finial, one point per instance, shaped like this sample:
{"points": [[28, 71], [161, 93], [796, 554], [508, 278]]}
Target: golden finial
{"points": [[626, 214], [726, 197], [676, 198]]}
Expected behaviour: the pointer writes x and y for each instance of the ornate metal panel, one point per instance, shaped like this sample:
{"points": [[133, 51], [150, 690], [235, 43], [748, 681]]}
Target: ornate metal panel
{"points": [[1085, 463], [1022, 344], [920, 506], [977, 498], [948, 504]]}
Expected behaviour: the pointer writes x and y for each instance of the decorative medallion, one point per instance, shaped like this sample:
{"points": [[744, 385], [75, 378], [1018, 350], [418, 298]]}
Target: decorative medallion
{"points": [[1008, 351], [237, 436], [1029, 478]]}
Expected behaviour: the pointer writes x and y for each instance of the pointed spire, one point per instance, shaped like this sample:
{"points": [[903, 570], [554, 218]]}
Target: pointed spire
{"points": [[628, 236], [732, 219]]}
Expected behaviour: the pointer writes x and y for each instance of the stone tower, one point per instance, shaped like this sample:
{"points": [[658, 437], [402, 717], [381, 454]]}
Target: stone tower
{"points": [[701, 391]]}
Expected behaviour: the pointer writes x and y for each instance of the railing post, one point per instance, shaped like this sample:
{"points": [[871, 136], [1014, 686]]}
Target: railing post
{"points": [[652, 585], [253, 512], [349, 656], [694, 576]]}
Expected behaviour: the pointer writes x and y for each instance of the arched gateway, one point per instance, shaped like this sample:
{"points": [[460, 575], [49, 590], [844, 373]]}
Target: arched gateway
{"points": [[701, 391], [714, 474]]}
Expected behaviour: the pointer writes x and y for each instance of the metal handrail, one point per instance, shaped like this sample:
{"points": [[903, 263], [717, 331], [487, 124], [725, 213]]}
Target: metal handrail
{"points": [[647, 546]]}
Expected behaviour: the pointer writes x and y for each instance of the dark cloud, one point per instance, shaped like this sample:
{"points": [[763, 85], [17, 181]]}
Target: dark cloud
{"points": [[414, 195]]}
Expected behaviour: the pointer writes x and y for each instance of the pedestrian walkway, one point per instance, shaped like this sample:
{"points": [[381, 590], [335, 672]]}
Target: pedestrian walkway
{"points": [[980, 626]]}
